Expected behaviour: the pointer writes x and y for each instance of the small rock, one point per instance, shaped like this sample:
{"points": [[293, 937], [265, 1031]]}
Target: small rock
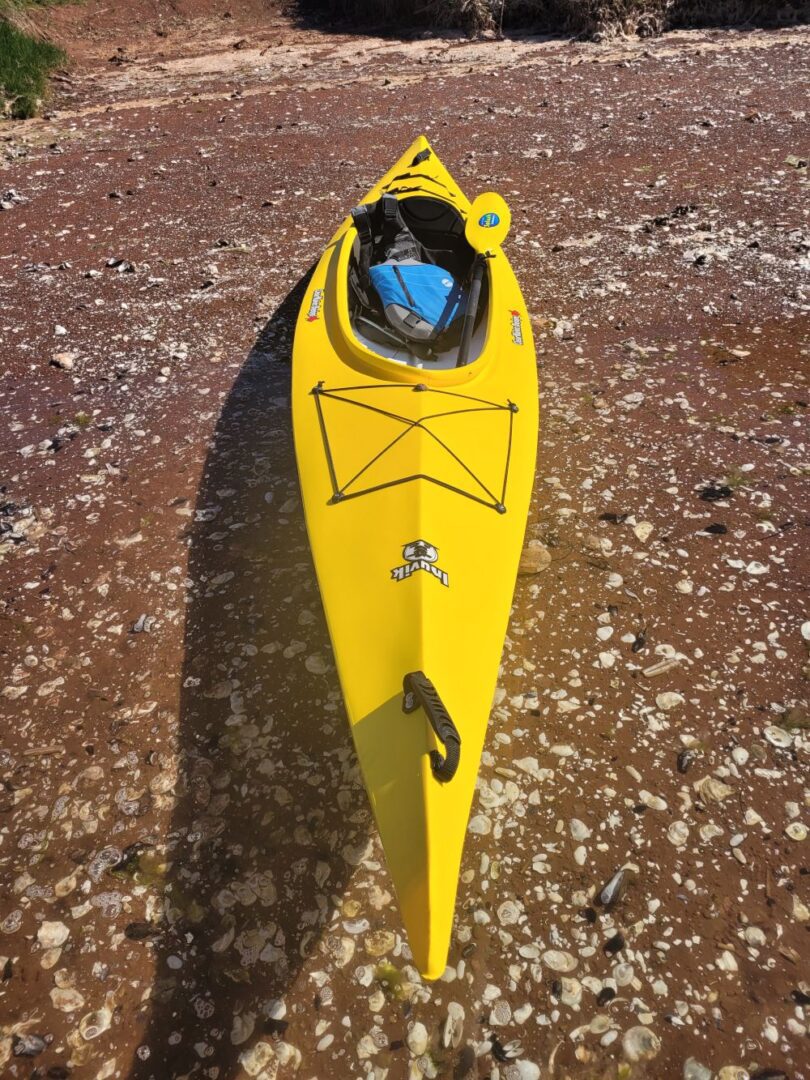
{"points": [[27, 1045], [535, 558], [51, 935], [66, 999], [579, 830], [64, 360], [669, 699], [480, 825]]}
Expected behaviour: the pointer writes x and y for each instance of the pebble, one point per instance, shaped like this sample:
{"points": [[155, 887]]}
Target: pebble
{"points": [[316, 664], [535, 558], [51, 935], [579, 830], [796, 831], [27, 1045], [64, 360], [480, 825], [754, 936]]}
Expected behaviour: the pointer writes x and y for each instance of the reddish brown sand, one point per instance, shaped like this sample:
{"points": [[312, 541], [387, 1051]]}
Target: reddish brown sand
{"points": [[190, 880]]}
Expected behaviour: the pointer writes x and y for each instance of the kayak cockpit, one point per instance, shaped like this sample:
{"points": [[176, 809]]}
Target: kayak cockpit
{"points": [[409, 271]]}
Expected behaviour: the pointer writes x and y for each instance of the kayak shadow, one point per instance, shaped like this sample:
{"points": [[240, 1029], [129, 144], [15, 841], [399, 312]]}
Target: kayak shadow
{"points": [[267, 778]]}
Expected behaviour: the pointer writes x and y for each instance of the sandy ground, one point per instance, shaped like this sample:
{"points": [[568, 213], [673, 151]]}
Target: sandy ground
{"points": [[190, 881]]}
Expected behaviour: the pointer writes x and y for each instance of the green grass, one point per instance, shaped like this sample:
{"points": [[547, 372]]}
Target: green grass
{"points": [[26, 60]]}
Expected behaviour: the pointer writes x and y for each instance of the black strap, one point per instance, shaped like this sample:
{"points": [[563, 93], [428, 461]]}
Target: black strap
{"points": [[358, 290], [362, 222], [404, 286], [419, 690], [392, 222]]}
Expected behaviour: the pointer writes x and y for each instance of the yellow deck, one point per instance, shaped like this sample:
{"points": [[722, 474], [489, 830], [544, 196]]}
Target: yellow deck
{"points": [[465, 450]]}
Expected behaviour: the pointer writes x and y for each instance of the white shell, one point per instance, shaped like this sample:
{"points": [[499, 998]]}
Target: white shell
{"points": [[777, 736], [678, 833], [95, 1023], [558, 960], [640, 1044], [710, 789], [453, 1025], [417, 1039], [508, 913], [254, 1060]]}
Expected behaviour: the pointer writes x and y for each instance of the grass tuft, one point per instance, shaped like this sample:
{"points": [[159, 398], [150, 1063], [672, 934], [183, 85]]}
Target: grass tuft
{"points": [[26, 60]]}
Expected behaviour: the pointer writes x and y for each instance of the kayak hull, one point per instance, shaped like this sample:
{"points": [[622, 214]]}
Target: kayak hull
{"points": [[416, 486]]}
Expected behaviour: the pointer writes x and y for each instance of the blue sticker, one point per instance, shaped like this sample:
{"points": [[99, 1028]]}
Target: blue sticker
{"points": [[489, 221]]}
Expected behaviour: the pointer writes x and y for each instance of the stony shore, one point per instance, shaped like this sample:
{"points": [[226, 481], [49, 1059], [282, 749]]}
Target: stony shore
{"points": [[190, 880]]}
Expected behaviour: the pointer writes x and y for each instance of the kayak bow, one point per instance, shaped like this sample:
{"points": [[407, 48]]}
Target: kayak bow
{"points": [[416, 476]]}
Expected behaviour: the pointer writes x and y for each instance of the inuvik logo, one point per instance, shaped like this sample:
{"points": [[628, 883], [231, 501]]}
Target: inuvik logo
{"points": [[517, 329], [315, 305], [419, 555]]}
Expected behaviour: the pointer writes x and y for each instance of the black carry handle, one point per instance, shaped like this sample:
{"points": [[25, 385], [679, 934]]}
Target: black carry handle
{"points": [[419, 690]]}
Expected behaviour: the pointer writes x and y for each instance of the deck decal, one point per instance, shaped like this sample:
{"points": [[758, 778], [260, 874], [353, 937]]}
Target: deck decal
{"points": [[368, 398], [517, 328], [315, 305], [419, 555]]}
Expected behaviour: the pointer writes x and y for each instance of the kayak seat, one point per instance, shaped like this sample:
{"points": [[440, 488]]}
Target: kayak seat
{"points": [[408, 274]]}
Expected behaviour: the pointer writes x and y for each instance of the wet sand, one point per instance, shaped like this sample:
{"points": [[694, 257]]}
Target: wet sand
{"points": [[190, 880]]}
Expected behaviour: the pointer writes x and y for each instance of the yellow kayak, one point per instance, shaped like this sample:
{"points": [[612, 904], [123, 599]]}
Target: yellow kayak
{"points": [[416, 473]]}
